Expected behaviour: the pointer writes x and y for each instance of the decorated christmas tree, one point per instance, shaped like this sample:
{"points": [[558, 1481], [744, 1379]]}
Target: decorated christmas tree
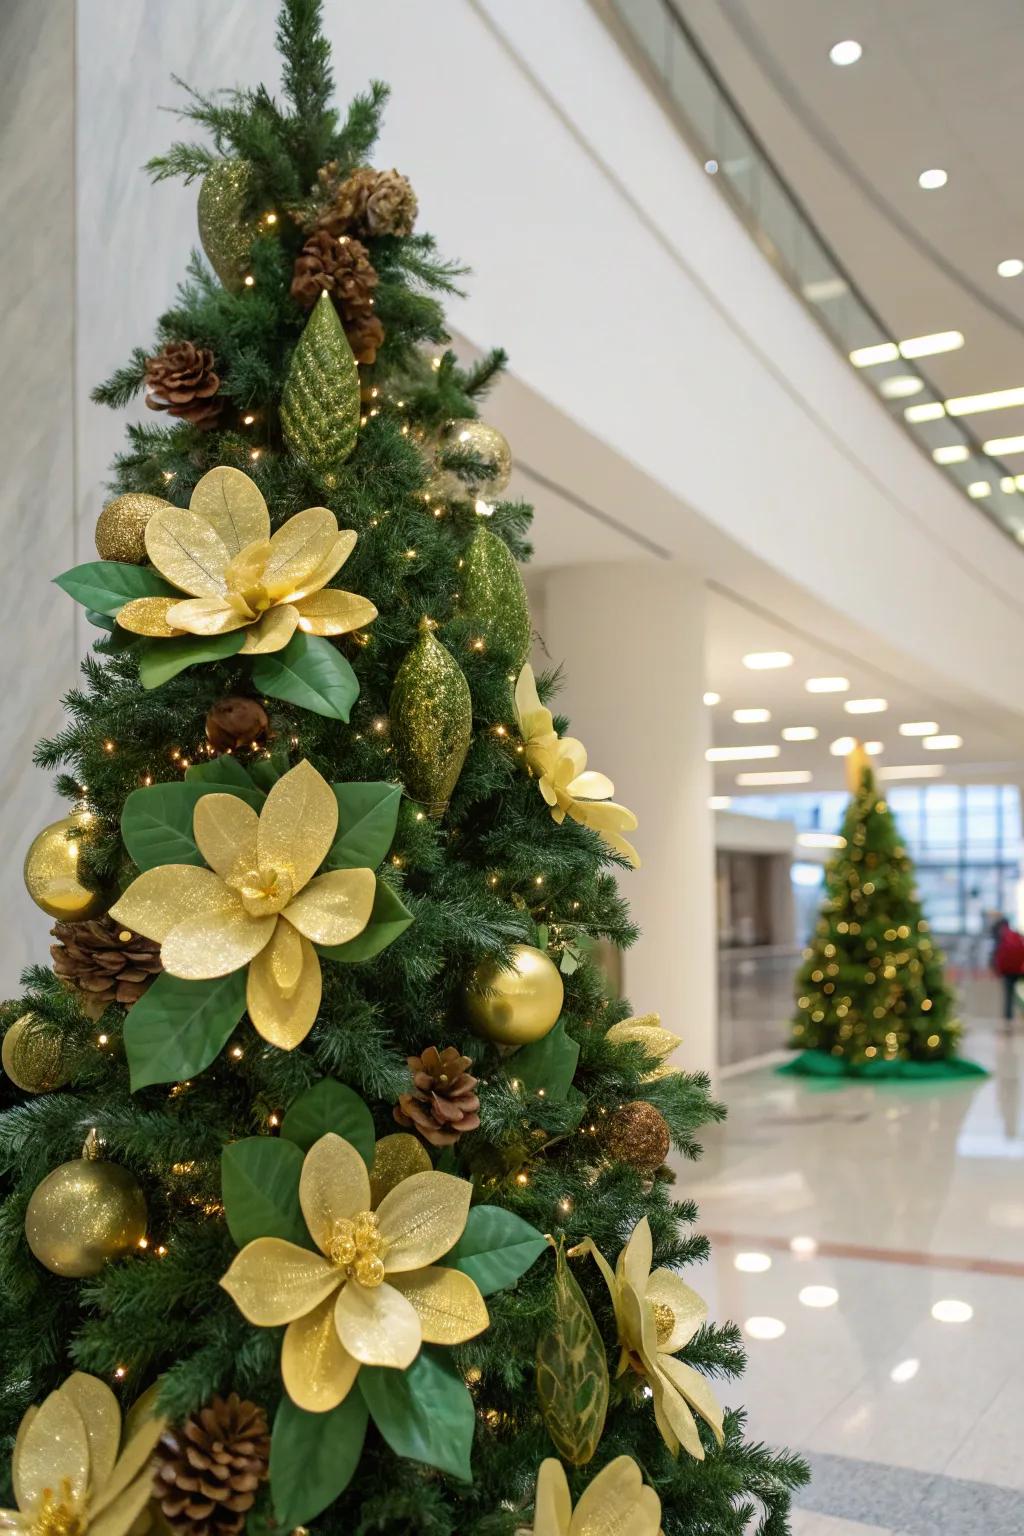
{"points": [[331, 1167], [872, 995]]}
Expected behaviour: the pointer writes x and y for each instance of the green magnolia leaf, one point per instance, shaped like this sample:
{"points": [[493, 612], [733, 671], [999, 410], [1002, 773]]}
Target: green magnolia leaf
{"points": [[389, 918], [572, 1372], [266, 771], [260, 1184], [496, 1248], [156, 823], [178, 1027], [367, 818], [313, 1457], [100, 620], [161, 660], [219, 773], [320, 403], [106, 585], [330, 1106], [311, 673], [549, 1064], [425, 1413]]}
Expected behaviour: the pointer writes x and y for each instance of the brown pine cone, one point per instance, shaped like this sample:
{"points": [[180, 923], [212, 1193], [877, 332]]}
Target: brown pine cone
{"points": [[237, 724], [104, 961], [208, 1469], [391, 206], [338, 265], [365, 335], [368, 202], [443, 1103], [181, 379]]}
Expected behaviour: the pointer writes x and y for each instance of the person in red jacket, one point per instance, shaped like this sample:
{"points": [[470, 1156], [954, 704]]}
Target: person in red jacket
{"points": [[1007, 961]]}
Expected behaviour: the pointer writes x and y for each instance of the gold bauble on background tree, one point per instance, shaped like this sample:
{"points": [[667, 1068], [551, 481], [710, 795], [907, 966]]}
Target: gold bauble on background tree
{"points": [[84, 1214], [51, 869], [33, 1061], [226, 231], [484, 443], [515, 1005], [121, 527], [431, 721]]}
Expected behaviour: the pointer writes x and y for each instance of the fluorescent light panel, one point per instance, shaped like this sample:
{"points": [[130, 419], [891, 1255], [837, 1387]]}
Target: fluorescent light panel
{"points": [[978, 489], [931, 180], [800, 733], [712, 698], [928, 410], [919, 728], [951, 453], [900, 385], [918, 771], [845, 53], [942, 743], [1012, 266], [873, 748], [793, 776], [931, 346], [992, 400], [865, 706], [719, 802], [842, 745], [820, 840], [767, 661], [997, 445], [882, 352], [738, 754], [827, 684], [751, 716]]}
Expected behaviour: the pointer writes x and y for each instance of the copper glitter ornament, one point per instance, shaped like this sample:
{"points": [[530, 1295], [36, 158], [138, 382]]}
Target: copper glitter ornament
{"points": [[121, 527], [84, 1214], [638, 1135], [518, 1004], [431, 721]]}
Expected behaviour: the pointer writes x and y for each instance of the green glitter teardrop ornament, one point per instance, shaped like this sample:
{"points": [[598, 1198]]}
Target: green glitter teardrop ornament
{"points": [[431, 721], [494, 597], [320, 404], [225, 231]]}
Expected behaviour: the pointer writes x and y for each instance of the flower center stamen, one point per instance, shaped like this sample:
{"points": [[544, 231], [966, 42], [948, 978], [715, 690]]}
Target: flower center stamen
{"points": [[664, 1321], [357, 1246], [264, 891], [58, 1516]]}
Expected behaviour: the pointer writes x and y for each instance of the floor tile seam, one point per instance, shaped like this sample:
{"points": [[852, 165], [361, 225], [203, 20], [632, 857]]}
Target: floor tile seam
{"points": [[969, 1432]]}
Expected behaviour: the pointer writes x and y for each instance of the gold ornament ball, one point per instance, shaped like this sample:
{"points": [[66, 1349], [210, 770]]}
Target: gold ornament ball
{"points": [[51, 870], [84, 1214], [519, 1005], [33, 1061], [121, 527], [483, 442], [637, 1134]]}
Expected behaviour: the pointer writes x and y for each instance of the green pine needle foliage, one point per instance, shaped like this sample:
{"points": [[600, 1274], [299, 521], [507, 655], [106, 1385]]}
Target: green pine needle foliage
{"points": [[872, 985], [481, 880]]}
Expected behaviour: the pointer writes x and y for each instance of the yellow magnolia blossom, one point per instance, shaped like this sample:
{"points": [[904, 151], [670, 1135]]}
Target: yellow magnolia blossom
{"points": [[646, 1029], [374, 1293], [617, 1501], [258, 904], [220, 553], [656, 1314], [70, 1475], [559, 764]]}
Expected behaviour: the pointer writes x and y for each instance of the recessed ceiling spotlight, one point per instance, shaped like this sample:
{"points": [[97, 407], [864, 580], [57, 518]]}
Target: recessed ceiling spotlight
{"points": [[764, 1327], [735, 754], [846, 52], [905, 1371], [952, 1311], [932, 180], [900, 385], [930, 410], [800, 733], [1011, 267], [794, 776], [881, 352], [719, 802], [803, 1247], [930, 346], [991, 400], [980, 488], [842, 745], [919, 728], [712, 698], [711, 166], [752, 1263], [1008, 484], [767, 661], [827, 684], [874, 748], [751, 716], [951, 453], [915, 771], [818, 1296], [997, 445], [942, 743], [865, 706]]}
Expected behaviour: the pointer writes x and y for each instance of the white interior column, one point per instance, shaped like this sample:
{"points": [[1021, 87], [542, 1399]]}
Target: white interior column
{"points": [[631, 637]]}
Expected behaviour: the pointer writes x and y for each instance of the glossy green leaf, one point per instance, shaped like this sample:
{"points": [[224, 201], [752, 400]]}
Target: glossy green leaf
{"points": [[161, 660], [330, 1106], [313, 1457], [156, 823], [266, 771], [367, 818], [106, 585], [311, 673], [220, 773], [572, 1372], [260, 1185], [100, 620], [496, 1248], [389, 918], [178, 1027], [549, 1064], [425, 1413]]}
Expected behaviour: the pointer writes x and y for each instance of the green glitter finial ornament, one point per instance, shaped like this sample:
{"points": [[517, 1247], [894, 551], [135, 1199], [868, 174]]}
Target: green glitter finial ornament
{"points": [[431, 721]]}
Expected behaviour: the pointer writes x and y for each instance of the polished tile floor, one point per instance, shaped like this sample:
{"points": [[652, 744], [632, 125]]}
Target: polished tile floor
{"points": [[870, 1241]]}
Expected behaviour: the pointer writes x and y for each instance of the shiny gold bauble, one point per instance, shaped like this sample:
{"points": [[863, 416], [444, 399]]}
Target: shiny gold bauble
{"points": [[485, 443], [519, 1005], [84, 1214], [33, 1061], [121, 527], [637, 1134], [226, 231], [51, 870]]}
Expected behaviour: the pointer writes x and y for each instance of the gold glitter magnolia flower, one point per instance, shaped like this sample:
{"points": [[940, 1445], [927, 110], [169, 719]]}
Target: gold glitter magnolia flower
{"points": [[656, 1314], [559, 764], [374, 1293], [237, 576], [616, 1501], [258, 904], [69, 1478]]}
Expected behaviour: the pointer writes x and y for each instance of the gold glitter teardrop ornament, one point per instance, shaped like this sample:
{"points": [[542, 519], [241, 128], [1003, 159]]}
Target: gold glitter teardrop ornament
{"points": [[225, 230], [517, 1005], [320, 405], [484, 443], [51, 870], [431, 721], [84, 1214], [32, 1060], [494, 597], [121, 527]]}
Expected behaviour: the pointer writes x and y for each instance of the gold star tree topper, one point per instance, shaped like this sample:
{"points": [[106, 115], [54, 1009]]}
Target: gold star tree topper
{"points": [[617, 1503], [374, 1293]]}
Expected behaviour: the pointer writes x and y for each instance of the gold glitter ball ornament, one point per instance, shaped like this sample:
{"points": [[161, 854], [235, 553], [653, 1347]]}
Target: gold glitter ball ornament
{"points": [[33, 1061], [484, 443], [431, 721], [519, 1005], [84, 1214], [121, 527], [226, 232], [494, 597], [637, 1134], [51, 869]]}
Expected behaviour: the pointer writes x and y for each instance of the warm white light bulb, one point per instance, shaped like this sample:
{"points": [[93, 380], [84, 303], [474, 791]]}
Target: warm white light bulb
{"points": [[932, 180], [845, 53]]}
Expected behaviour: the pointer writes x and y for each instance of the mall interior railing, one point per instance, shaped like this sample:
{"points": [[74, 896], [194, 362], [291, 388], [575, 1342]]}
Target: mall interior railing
{"points": [[732, 152]]}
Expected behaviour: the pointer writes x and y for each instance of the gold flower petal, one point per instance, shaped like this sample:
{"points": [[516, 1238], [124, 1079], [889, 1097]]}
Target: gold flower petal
{"points": [[55, 1446], [131, 1463], [204, 616], [672, 1410], [688, 1309], [617, 1503], [572, 758], [297, 548], [592, 786], [395, 1158], [272, 1281], [121, 1513], [334, 612], [210, 944], [329, 566], [101, 1415], [148, 616], [285, 958], [334, 907], [378, 1325], [606, 816], [447, 1302], [245, 570], [187, 551], [552, 1510], [297, 824], [646, 1029], [634, 1265], [422, 1218], [534, 719], [317, 1370], [224, 828], [163, 897], [696, 1389], [334, 1185], [19, 1439], [284, 1016], [233, 505], [272, 632]]}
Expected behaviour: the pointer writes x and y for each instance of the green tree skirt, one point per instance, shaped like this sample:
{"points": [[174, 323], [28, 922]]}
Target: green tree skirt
{"points": [[821, 1064]]}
